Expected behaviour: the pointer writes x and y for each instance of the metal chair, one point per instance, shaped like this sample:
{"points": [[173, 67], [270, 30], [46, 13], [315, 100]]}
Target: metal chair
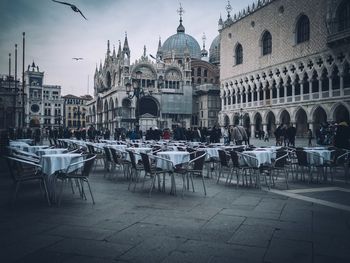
{"points": [[24, 171], [78, 171]]}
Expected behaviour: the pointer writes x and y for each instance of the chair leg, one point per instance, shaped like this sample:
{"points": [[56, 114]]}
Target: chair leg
{"points": [[46, 192], [15, 192], [205, 190], [92, 197]]}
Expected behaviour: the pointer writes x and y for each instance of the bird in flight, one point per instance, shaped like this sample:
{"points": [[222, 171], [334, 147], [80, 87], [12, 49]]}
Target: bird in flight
{"points": [[74, 8], [157, 59], [77, 59]]}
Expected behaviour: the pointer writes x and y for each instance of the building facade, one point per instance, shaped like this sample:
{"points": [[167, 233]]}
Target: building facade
{"points": [[75, 111], [10, 102], [166, 86], [286, 62], [44, 104]]}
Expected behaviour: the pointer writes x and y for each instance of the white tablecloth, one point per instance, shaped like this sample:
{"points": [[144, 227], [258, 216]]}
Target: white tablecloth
{"points": [[19, 145], [175, 157], [42, 152], [318, 156], [262, 157], [52, 163], [34, 149]]}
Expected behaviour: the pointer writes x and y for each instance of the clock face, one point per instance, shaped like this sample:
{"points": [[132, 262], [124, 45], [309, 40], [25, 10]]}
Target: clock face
{"points": [[34, 108]]}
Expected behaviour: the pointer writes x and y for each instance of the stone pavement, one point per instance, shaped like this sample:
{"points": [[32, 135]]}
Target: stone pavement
{"points": [[230, 224]]}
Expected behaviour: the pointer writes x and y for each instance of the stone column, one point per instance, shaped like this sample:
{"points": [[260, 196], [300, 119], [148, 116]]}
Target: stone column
{"points": [[301, 90], [330, 79], [310, 89], [319, 87], [264, 95], [341, 84], [252, 130], [293, 91]]}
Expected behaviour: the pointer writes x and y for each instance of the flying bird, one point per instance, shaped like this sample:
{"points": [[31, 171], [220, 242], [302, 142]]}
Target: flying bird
{"points": [[74, 8], [77, 59], [157, 59]]}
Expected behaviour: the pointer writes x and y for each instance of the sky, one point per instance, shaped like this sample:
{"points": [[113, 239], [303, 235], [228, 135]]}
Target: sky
{"points": [[55, 33]]}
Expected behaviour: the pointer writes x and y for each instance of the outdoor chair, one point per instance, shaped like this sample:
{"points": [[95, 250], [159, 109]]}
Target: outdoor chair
{"points": [[78, 172], [280, 165], [224, 164], [25, 171], [135, 169]]}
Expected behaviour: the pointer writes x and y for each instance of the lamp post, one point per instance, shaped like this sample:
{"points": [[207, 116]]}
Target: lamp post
{"points": [[138, 92]]}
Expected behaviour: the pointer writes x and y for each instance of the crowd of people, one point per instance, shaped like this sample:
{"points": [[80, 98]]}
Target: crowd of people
{"points": [[337, 134]]}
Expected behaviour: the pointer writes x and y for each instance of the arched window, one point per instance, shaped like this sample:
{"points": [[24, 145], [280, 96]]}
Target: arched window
{"points": [[344, 15], [266, 43], [303, 29], [239, 54]]}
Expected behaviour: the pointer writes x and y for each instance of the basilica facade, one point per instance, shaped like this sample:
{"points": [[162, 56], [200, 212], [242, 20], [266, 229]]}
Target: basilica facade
{"points": [[286, 62], [177, 86]]}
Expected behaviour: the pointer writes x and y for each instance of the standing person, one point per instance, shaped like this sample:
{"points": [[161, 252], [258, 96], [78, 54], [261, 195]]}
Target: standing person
{"points": [[309, 137], [37, 136], [226, 135], [277, 133], [291, 135], [248, 132], [238, 134]]}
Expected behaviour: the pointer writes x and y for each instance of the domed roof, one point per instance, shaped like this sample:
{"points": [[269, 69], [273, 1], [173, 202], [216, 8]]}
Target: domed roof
{"points": [[179, 44], [214, 51]]}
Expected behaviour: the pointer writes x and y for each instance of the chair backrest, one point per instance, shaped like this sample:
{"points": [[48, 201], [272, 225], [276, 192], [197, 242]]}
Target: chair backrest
{"points": [[88, 164], [223, 158], [20, 168], [281, 159], [116, 157], [301, 157], [198, 162], [234, 158], [132, 159], [108, 154], [146, 163]]}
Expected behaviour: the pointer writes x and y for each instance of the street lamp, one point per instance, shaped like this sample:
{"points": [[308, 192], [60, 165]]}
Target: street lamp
{"points": [[138, 92]]}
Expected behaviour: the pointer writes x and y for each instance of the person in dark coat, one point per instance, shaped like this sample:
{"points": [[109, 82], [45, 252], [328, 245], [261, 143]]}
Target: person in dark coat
{"points": [[291, 132], [342, 136]]}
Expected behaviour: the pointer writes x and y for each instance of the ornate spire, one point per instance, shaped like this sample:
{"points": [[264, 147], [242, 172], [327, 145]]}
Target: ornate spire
{"points": [[119, 49], [96, 71], [100, 70], [114, 55], [126, 44], [228, 9], [204, 38], [204, 53], [159, 50], [108, 49], [180, 28], [144, 51]]}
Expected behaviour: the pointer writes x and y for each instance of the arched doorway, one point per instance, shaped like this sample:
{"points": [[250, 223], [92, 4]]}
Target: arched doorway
{"points": [[258, 123], [271, 123], [285, 118], [319, 117], [236, 119], [341, 113], [148, 105], [301, 122], [226, 121], [246, 121]]}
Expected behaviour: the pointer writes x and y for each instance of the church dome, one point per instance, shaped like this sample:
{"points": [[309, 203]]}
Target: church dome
{"points": [[178, 44], [181, 43], [214, 51]]}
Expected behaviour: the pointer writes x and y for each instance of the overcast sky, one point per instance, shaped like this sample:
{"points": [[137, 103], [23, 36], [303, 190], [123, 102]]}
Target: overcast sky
{"points": [[55, 34]]}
